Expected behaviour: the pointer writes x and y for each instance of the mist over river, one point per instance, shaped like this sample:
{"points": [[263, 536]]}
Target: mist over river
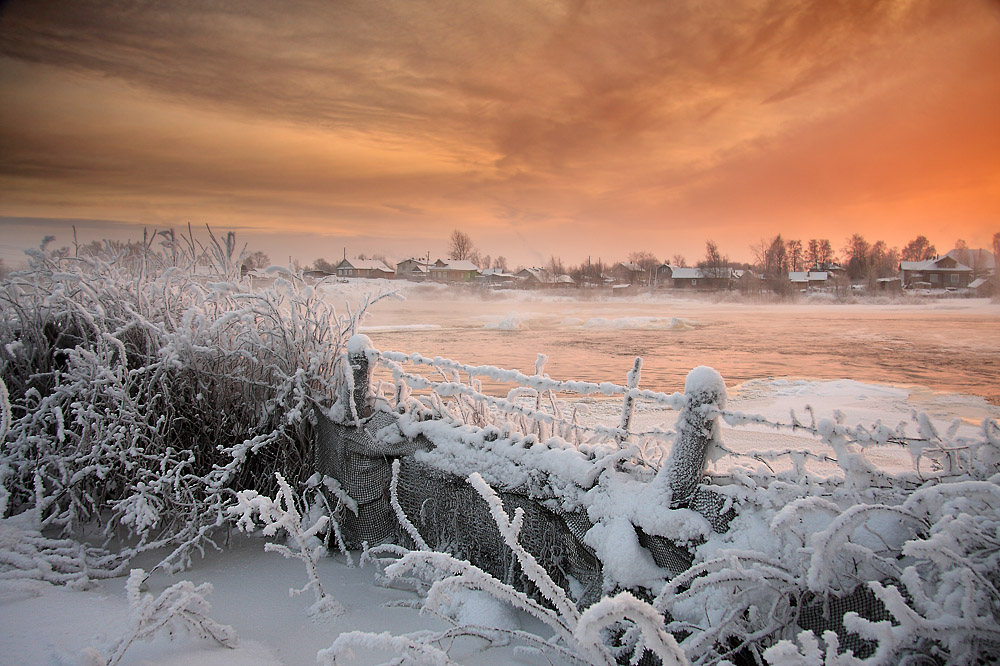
{"points": [[948, 345]]}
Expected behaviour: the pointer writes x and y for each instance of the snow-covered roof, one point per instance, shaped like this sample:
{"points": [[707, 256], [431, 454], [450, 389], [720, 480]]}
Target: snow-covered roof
{"points": [[687, 273], [978, 282], [460, 265], [632, 266], [932, 265], [565, 279], [821, 276], [539, 274], [366, 265]]}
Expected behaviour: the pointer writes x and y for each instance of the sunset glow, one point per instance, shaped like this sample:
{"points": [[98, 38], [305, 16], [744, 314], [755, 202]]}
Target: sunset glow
{"points": [[540, 128]]}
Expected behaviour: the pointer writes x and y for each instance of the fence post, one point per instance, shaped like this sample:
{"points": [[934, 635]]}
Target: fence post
{"points": [[697, 430], [360, 353], [628, 405]]}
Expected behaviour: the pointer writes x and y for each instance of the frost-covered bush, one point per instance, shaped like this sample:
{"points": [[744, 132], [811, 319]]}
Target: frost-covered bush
{"points": [[145, 387]]}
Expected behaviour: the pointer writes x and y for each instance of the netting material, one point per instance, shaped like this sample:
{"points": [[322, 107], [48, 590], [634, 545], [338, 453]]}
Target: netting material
{"points": [[451, 517]]}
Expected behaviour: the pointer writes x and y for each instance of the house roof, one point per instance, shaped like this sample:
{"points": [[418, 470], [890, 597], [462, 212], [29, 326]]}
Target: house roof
{"points": [[932, 265], [460, 265], [632, 266], [496, 273], [979, 282], [974, 258], [688, 273], [418, 262], [539, 274], [366, 265]]}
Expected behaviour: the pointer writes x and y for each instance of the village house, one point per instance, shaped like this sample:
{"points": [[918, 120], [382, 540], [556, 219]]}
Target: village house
{"points": [[808, 279], [453, 270], [415, 270], [689, 278], [494, 277], [663, 275], [940, 273], [626, 272], [364, 268], [697, 278]]}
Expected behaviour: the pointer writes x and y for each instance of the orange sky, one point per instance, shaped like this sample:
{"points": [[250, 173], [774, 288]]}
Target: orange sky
{"points": [[538, 127]]}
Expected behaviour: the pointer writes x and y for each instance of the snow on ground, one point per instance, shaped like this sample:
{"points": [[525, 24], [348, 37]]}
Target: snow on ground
{"points": [[55, 626]]}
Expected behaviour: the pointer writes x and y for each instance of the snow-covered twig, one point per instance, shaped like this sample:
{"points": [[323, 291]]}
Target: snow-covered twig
{"points": [[179, 608], [281, 514]]}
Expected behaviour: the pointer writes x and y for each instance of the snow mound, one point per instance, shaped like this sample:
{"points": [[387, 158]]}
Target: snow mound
{"points": [[512, 322], [633, 323]]}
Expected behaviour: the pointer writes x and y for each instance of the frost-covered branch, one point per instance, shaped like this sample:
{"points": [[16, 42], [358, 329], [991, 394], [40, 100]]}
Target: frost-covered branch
{"points": [[181, 608], [282, 515]]}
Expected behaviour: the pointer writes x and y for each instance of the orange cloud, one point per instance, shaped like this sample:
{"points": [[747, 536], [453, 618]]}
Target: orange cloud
{"points": [[546, 128]]}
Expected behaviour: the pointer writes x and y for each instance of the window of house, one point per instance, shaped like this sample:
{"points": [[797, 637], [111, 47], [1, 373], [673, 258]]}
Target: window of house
{"points": [[953, 278], [935, 277]]}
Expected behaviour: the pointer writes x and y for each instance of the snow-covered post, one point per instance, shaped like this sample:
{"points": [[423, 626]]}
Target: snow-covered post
{"points": [[628, 406], [360, 357], [697, 431]]}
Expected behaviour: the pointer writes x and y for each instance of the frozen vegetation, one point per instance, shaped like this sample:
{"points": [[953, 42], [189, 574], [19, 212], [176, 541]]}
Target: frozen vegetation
{"points": [[158, 433]]}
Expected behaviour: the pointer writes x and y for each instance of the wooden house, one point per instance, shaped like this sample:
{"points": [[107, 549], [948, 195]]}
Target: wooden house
{"points": [[940, 273], [364, 268], [453, 270]]}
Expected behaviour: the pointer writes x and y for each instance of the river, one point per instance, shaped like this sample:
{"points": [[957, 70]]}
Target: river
{"points": [[947, 345]]}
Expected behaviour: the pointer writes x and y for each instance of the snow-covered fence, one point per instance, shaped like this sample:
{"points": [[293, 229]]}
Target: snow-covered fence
{"points": [[742, 560]]}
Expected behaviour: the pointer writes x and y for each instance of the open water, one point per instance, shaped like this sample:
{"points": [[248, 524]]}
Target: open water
{"points": [[940, 345]]}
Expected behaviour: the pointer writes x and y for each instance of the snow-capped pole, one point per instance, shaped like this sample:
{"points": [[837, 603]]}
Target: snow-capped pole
{"points": [[697, 430], [360, 354]]}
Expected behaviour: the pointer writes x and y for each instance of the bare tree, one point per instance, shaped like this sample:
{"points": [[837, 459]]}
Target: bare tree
{"points": [[883, 261], [820, 251], [795, 254], [919, 249], [461, 246], [500, 263], [996, 252], [323, 265], [856, 251], [678, 261], [647, 261], [714, 265], [772, 260], [257, 259]]}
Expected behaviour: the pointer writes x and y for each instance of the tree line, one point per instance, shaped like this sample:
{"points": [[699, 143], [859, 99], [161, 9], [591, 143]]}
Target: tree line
{"points": [[772, 259]]}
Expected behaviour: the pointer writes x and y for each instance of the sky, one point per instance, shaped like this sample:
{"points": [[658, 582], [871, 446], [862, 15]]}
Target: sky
{"points": [[538, 127]]}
